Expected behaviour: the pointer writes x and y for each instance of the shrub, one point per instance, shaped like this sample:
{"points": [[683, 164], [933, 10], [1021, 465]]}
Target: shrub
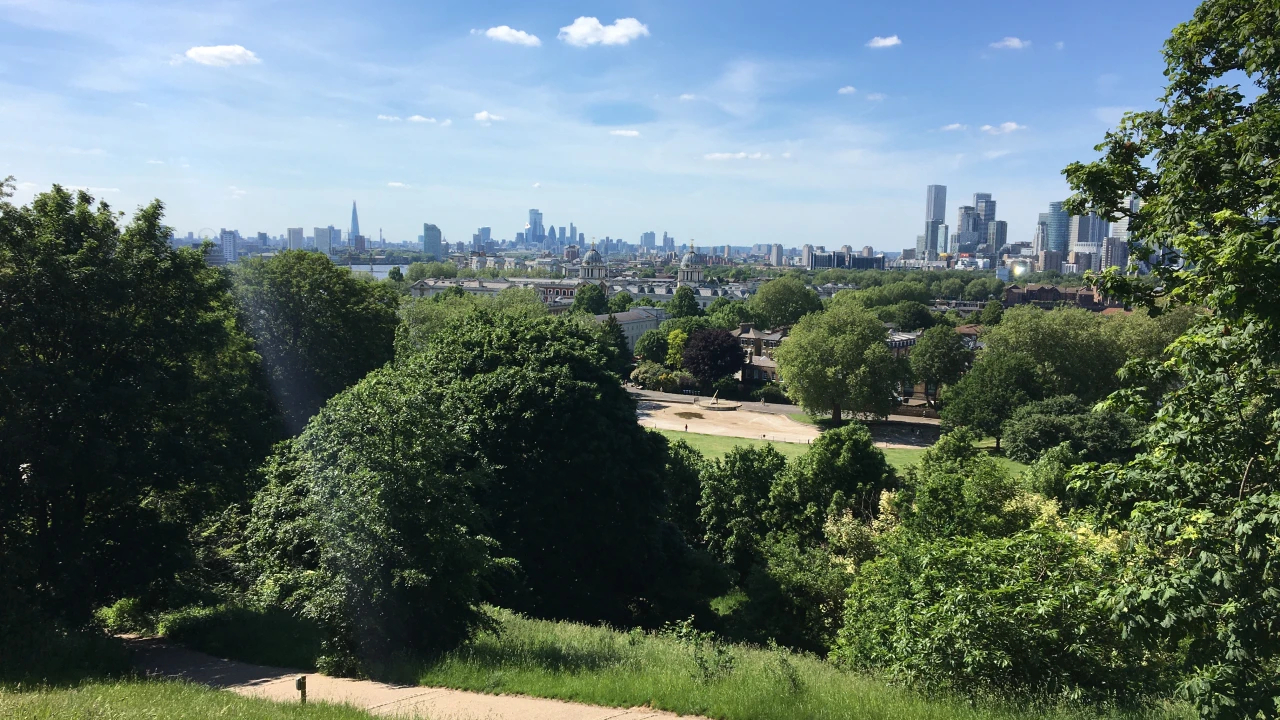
{"points": [[772, 393], [1097, 436], [265, 636]]}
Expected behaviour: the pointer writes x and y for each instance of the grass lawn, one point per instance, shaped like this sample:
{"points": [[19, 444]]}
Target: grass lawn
{"points": [[607, 667], [135, 700], [717, 445]]}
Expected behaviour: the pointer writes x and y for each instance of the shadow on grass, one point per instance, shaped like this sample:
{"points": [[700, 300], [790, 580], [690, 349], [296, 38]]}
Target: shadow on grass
{"points": [[36, 652], [263, 637]]}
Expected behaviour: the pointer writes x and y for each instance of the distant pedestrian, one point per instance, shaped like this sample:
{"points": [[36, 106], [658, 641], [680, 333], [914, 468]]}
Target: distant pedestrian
{"points": [[686, 427]]}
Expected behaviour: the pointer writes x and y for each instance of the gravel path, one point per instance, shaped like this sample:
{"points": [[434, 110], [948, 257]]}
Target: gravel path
{"points": [[161, 660]]}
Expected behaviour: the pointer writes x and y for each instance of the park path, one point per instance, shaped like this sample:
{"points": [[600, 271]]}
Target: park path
{"points": [[161, 660]]}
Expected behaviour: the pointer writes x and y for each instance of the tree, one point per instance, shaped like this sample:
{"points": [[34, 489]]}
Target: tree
{"points": [[319, 328], [684, 304], [735, 500], [621, 302], [675, 348], [711, 354], [890, 294], [422, 318], [590, 299], [1198, 504], [1093, 436], [837, 360], [614, 340], [842, 470], [368, 527], [907, 316], [730, 315], [132, 405], [991, 313], [395, 275], [652, 346], [940, 356], [783, 302], [417, 271], [951, 288], [999, 383], [1071, 353]]}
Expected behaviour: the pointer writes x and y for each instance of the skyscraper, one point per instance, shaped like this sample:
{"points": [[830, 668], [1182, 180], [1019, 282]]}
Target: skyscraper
{"points": [[431, 239], [668, 243], [536, 232], [325, 239], [1120, 228], [775, 255], [997, 236], [229, 246], [355, 220], [296, 238], [573, 233], [1056, 227], [1085, 233], [934, 238], [935, 203]]}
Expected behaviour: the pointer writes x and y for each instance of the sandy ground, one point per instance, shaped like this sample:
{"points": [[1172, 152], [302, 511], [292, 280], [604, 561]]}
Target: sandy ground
{"points": [[744, 423], [158, 659], [741, 423]]}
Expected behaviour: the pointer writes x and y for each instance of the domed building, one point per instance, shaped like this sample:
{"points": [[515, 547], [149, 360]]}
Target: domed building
{"points": [[690, 272], [593, 268]]}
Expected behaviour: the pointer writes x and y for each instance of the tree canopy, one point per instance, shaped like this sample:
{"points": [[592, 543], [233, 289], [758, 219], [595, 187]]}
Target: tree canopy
{"points": [[940, 356], [999, 383], [590, 299], [684, 303], [783, 301], [711, 354]]}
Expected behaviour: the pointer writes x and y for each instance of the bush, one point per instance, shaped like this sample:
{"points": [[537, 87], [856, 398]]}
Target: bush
{"points": [[771, 393], [1096, 436], [1015, 616], [35, 650], [264, 636]]}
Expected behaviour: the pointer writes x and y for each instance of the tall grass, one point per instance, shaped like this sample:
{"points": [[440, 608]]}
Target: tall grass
{"points": [[137, 700], [692, 676]]}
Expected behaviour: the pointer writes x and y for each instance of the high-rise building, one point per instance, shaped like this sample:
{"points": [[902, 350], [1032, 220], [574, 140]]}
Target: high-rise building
{"points": [[935, 203], [325, 239], [970, 228], [573, 233], [535, 232], [228, 240], [296, 238], [1085, 233], [649, 240], [668, 243], [775, 255], [806, 255], [355, 220], [1049, 260], [868, 251], [1057, 224], [1115, 253], [985, 207], [997, 236], [1120, 228], [431, 240]]}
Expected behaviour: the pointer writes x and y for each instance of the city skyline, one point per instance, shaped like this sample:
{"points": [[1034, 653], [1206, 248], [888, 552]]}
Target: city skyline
{"points": [[736, 124]]}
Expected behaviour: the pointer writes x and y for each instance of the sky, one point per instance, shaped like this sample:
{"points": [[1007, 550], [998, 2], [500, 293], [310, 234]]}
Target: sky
{"points": [[734, 123]]}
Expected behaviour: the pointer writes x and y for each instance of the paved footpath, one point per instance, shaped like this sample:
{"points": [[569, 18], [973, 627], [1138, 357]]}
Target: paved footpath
{"points": [[159, 659]]}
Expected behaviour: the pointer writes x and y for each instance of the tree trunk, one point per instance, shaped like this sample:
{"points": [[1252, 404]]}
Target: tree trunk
{"points": [[835, 413], [997, 443]]}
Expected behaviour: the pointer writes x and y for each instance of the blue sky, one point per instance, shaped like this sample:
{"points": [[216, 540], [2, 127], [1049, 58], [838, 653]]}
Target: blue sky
{"points": [[723, 122]]}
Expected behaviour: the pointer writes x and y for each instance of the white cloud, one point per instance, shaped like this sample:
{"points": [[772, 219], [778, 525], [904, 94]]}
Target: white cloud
{"points": [[847, 90], [1011, 43], [1059, 45], [155, 162], [421, 119], [389, 118], [625, 133], [954, 126], [736, 156], [397, 185], [237, 193], [446, 123], [537, 185], [506, 34], [1002, 128], [83, 151], [222, 55], [688, 96], [484, 117], [588, 31], [786, 156], [993, 154], [876, 97], [884, 42]]}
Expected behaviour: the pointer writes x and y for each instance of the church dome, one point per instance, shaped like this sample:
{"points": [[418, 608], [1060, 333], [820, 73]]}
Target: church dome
{"points": [[689, 260], [592, 257]]}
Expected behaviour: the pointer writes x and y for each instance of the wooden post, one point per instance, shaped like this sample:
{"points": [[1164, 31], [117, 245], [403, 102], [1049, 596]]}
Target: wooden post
{"points": [[301, 685]]}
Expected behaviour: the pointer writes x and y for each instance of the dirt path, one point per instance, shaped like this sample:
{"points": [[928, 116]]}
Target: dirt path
{"points": [[159, 659], [741, 423]]}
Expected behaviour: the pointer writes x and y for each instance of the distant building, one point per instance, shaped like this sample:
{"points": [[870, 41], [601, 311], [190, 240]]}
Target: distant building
{"points": [[775, 255], [432, 240], [355, 221], [230, 249], [1056, 226], [1115, 253], [636, 322], [843, 259], [1049, 260], [325, 239], [1051, 296], [296, 238]]}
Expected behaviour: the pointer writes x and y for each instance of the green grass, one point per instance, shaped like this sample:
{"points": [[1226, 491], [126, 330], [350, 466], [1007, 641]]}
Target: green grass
{"points": [[151, 700], [606, 667], [714, 446], [270, 637]]}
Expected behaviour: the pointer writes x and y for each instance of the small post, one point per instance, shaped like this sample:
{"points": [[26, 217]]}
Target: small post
{"points": [[301, 685]]}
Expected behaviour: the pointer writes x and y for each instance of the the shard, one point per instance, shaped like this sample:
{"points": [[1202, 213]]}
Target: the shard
{"points": [[355, 220]]}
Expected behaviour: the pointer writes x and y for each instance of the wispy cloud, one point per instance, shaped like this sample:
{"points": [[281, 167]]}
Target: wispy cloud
{"points": [[396, 185], [506, 34], [688, 96], [537, 185], [847, 90], [420, 119], [876, 97], [625, 133], [222, 55], [446, 122], [1059, 45], [155, 162], [953, 126], [389, 118], [1002, 128], [587, 31], [83, 151], [237, 193], [993, 154], [736, 156], [1011, 43], [484, 117], [884, 42]]}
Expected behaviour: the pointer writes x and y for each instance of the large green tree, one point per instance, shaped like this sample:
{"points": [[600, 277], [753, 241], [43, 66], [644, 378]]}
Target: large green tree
{"points": [[735, 502], [999, 383], [590, 299], [783, 302], [842, 470], [940, 356], [684, 304], [711, 354], [131, 403], [318, 327], [1200, 507], [1072, 354], [837, 360]]}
